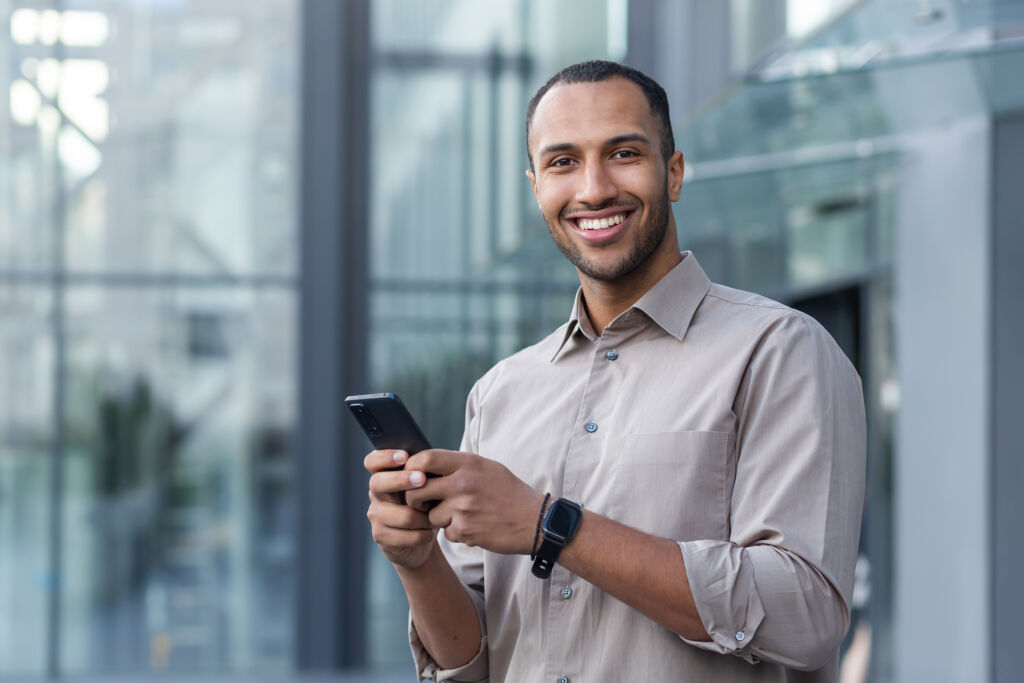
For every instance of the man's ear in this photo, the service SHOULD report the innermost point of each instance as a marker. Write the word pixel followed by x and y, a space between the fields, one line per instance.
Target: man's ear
pixel 676 165
pixel 533 180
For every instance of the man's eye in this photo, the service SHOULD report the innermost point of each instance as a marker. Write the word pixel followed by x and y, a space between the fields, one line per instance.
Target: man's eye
pixel 624 154
pixel 561 162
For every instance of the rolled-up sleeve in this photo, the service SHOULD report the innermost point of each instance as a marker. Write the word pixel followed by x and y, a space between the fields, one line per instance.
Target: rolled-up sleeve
pixel 468 564
pixel 779 589
pixel 475 670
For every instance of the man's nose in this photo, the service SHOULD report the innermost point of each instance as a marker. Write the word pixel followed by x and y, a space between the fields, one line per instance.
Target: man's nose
pixel 596 185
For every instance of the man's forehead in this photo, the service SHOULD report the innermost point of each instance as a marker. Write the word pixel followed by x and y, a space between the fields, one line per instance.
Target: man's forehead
pixel 569 108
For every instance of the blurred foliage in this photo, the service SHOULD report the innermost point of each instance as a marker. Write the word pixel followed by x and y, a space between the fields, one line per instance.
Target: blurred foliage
pixel 129 433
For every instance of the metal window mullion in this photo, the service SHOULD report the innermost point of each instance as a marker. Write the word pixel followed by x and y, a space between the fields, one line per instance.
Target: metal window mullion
pixel 55 578
pixel 332 534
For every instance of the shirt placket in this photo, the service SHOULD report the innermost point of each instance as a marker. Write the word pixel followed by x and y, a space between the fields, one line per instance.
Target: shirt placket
pixel 565 609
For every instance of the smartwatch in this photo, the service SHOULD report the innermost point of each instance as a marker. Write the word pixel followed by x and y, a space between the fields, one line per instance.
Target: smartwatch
pixel 560 525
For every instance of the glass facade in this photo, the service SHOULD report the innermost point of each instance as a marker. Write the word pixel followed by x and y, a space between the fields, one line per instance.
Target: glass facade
pixel 154 294
pixel 148 258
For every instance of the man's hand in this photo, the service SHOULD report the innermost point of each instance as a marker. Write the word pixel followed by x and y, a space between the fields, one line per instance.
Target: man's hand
pixel 441 608
pixel 482 503
pixel 402 533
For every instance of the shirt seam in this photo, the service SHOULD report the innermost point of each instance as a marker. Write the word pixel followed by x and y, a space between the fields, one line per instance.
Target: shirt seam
pixel 773 305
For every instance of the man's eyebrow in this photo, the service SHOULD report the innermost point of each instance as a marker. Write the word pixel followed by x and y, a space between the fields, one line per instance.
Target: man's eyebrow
pixel 611 142
pixel 628 137
pixel 560 147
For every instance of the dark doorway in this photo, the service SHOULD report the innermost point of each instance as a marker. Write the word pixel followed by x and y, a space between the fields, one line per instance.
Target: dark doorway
pixel 839 312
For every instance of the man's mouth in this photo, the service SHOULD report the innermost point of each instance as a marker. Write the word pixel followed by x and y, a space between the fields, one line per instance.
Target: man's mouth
pixel 598 230
pixel 600 223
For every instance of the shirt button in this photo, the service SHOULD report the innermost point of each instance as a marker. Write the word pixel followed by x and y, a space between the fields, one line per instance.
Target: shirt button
pixel 590 427
pixel 612 355
pixel 740 635
pixel 562 679
pixel 566 592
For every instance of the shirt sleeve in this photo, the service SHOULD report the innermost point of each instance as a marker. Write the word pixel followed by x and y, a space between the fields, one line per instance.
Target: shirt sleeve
pixel 475 671
pixel 468 564
pixel 779 589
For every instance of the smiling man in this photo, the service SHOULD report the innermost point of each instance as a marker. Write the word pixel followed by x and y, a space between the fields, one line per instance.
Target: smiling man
pixel 669 486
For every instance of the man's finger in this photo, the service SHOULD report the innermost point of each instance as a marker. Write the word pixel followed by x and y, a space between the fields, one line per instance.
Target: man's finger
pixel 435 488
pixel 436 461
pixel 385 513
pixel 396 482
pixel 440 516
pixel 388 537
pixel 378 461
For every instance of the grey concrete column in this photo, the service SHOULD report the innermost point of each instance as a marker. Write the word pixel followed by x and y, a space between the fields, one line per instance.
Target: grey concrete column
pixel 1007 396
pixel 691 48
pixel 685 46
pixel 942 489
pixel 331 483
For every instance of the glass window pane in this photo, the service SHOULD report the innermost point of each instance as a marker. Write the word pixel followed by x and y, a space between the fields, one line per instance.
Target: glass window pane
pixel 180 153
pixel 453 26
pixel 27 160
pixel 792 228
pixel 148 152
pixel 26 441
pixel 178 542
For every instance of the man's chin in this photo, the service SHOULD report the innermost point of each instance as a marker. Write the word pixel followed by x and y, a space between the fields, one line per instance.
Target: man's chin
pixel 607 271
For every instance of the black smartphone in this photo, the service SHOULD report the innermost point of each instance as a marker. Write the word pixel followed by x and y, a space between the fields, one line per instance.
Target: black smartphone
pixel 387 422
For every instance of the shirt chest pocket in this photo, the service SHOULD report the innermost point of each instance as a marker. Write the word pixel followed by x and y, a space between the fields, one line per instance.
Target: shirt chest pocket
pixel 672 484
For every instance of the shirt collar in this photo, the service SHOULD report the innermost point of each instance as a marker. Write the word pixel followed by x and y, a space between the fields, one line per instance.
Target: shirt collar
pixel 578 322
pixel 670 303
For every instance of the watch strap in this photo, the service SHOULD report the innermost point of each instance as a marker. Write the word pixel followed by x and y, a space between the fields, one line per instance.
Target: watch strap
pixel 555 540
pixel 546 556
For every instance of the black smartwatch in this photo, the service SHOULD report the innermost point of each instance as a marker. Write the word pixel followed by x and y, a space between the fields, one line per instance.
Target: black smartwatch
pixel 560 524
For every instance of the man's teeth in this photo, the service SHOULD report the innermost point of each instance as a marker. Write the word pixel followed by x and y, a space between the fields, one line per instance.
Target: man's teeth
pixel 600 223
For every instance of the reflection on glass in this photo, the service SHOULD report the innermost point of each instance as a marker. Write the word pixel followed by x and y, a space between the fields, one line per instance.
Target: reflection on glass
pixel 184 116
pixel 148 249
pixel 784 230
pixel 448 26
pixel 26 435
pixel 178 480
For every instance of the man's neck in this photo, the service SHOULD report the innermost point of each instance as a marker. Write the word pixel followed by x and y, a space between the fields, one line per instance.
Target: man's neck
pixel 604 300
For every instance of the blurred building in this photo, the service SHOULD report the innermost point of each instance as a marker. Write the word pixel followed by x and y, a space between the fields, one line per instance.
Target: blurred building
pixel 218 218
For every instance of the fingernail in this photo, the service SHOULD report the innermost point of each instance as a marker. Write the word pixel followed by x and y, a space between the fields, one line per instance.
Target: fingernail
pixel 399 457
pixel 417 478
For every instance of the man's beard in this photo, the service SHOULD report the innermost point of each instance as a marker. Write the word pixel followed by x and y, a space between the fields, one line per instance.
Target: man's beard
pixel 651 238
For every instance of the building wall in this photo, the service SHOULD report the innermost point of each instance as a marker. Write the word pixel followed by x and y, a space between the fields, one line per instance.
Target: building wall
pixel 1007 377
pixel 943 278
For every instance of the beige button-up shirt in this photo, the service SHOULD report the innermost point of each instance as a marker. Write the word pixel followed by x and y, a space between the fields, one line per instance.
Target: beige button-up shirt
pixel 724 421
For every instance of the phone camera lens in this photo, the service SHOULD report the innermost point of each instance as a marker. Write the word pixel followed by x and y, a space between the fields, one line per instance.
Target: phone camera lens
pixel 370 425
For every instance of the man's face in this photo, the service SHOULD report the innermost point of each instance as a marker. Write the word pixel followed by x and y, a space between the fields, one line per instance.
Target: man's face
pixel 600 179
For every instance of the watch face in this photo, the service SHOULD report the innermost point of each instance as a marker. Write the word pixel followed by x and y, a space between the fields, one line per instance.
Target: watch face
pixel 562 519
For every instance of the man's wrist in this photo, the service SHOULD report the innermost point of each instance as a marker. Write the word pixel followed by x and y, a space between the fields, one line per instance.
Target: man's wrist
pixel 537 532
pixel 423 567
pixel 561 522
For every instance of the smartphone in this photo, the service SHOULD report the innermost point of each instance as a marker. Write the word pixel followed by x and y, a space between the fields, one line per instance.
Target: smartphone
pixel 387 422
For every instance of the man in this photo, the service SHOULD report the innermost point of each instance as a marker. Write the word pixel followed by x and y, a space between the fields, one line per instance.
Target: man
pixel 714 438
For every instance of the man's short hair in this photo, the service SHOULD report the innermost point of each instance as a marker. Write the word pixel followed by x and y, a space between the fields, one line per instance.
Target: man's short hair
pixel 600 70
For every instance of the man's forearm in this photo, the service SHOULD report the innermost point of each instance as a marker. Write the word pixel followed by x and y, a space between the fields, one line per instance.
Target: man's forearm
pixel 442 611
pixel 644 571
